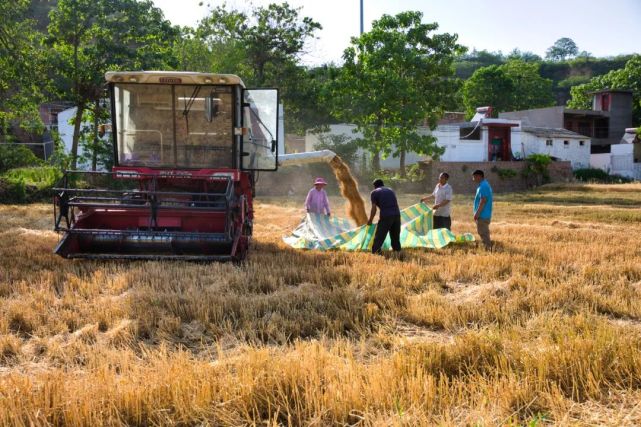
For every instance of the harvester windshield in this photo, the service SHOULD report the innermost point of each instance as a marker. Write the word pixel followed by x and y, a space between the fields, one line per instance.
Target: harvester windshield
pixel 187 126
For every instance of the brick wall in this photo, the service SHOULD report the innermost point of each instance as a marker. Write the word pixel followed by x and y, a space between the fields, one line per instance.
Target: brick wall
pixel 461 175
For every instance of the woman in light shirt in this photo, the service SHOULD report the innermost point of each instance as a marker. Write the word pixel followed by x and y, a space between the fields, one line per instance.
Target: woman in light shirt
pixel 317 201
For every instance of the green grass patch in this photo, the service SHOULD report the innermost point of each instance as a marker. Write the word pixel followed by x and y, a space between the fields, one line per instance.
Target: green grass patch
pixel 29 184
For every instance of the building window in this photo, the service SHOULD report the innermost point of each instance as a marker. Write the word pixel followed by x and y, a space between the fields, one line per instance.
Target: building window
pixel 581 143
pixel 548 142
pixel 566 144
pixel 470 133
pixel 605 102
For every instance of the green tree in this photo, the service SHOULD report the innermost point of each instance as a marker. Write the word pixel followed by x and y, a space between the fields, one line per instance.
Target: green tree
pixel 396 77
pixel 96 150
pixel 488 86
pixel 562 49
pixel 268 38
pixel 628 77
pixel 467 63
pixel 263 47
pixel 343 145
pixel 530 89
pixel 21 66
pixel 526 56
pixel 304 91
pixel 515 85
pixel 90 37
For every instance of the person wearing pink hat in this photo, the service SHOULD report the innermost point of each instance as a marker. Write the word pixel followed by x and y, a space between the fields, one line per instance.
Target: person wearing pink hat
pixel 317 201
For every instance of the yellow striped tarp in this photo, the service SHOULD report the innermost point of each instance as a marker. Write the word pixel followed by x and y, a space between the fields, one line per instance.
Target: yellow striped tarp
pixel 321 232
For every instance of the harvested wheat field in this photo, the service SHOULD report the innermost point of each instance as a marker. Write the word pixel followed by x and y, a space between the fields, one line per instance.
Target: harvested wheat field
pixel 545 330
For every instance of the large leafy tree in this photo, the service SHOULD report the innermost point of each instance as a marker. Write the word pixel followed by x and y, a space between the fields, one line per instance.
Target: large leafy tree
pixel 90 37
pixel 262 46
pixel 21 65
pixel 396 77
pixel 628 77
pixel 488 86
pixel 530 89
pixel 258 43
pixel 515 85
pixel 562 49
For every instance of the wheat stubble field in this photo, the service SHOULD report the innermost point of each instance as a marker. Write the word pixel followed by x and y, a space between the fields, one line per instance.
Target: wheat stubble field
pixel 546 330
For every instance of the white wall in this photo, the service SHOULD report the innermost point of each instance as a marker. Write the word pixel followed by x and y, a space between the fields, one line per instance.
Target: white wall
pixel 456 149
pixel 601 161
pixel 65 129
pixel 448 136
pixel 622 161
pixel 577 154
pixel 348 130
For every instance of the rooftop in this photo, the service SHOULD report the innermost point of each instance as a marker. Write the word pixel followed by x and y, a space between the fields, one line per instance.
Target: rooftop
pixel 544 132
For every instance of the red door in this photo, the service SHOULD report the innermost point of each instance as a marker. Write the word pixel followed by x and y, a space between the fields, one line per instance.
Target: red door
pixel 499 143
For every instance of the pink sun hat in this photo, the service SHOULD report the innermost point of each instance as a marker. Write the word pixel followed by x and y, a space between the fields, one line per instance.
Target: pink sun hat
pixel 320 181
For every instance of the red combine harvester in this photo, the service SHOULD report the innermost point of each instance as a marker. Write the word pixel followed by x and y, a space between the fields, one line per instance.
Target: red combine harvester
pixel 187 147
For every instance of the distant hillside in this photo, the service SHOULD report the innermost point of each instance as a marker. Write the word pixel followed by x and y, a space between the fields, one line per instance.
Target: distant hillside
pixel 564 74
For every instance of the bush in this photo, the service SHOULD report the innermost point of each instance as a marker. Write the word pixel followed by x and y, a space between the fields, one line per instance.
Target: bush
pixel 17 156
pixel 504 173
pixel 26 185
pixel 599 175
pixel 536 169
pixel 12 191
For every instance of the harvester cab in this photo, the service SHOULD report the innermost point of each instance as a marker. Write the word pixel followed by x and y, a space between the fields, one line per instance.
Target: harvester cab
pixel 186 149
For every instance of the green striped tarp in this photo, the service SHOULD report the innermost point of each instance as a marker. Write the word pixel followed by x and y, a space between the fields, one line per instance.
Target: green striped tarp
pixel 321 232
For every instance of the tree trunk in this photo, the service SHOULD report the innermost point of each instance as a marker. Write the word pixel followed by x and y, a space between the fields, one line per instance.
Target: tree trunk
pixel 94 154
pixel 364 165
pixel 77 121
pixel 376 162
pixel 402 164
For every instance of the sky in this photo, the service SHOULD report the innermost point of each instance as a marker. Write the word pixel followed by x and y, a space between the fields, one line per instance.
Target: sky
pixel 603 28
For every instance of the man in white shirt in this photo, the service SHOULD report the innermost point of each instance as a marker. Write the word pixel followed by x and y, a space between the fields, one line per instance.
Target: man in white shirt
pixel 442 202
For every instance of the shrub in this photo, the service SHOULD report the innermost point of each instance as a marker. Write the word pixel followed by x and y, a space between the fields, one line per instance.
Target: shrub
pixel 16 156
pixel 536 169
pixel 591 174
pixel 504 173
pixel 599 175
pixel 24 185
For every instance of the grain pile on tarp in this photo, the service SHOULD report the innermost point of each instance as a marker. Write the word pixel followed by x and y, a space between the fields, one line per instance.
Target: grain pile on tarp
pixel 321 232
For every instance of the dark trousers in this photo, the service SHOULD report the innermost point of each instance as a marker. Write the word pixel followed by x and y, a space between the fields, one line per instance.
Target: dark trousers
pixel 443 222
pixel 391 225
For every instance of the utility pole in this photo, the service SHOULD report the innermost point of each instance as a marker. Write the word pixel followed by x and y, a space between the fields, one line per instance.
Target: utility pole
pixel 361 17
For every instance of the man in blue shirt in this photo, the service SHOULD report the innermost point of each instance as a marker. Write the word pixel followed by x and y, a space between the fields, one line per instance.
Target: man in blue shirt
pixel 389 221
pixel 483 208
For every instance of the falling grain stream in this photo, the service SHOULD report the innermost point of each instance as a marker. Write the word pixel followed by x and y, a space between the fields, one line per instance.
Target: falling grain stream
pixel 349 190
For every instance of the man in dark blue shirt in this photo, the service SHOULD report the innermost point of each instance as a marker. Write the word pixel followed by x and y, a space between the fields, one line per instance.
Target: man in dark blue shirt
pixel 389 220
